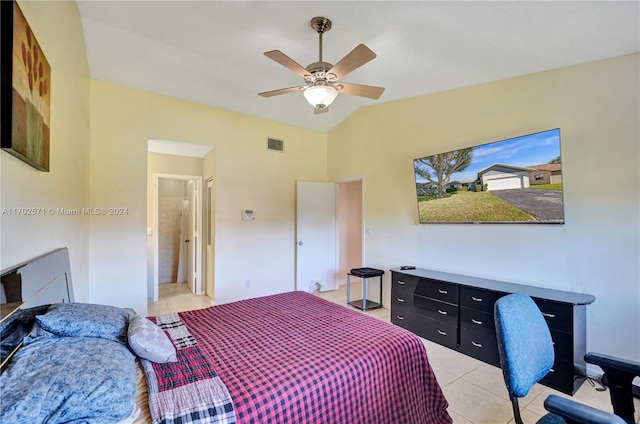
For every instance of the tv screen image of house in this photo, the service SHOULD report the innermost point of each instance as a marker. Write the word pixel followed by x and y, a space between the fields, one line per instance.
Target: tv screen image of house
pixel 518 180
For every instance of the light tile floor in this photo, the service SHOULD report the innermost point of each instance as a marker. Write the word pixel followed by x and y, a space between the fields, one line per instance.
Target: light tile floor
pixel 176 297
pixel 475 390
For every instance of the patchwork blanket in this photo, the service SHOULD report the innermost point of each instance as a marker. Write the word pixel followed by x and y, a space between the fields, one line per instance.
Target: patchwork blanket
pixel 189 390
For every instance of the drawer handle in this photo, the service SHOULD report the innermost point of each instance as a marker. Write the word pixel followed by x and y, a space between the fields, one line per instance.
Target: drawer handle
pixel 476 299
pixel 442 312
pixel 399 299
pixel 400 317
pixel 476 344
pixel 548 315
pixel 402 283
pixel 475 321
pixel 442 291
pixel 442 333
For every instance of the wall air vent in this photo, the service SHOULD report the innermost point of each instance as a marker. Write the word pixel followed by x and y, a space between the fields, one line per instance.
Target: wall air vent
pixel 275 144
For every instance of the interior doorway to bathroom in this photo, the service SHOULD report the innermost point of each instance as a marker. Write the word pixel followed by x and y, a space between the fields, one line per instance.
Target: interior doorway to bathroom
pixel 178 235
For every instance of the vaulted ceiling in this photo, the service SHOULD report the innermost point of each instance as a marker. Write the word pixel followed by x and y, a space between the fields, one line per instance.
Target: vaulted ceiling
pixel 211 52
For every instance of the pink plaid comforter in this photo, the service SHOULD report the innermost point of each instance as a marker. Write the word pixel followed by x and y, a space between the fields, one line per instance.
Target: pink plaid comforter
pixel 296 358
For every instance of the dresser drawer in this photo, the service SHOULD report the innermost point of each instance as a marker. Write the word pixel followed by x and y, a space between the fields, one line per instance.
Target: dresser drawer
pixel 562 345
pixel 429 308
pixel 558 316
pixel 417 324
pixel 434 309
pixel 561 377
pixel 403 282
pixel 401 303
pixel 441 333
pixel 439 290
pixel 480 344
pixel 472 319
pixel 479 299
pixel 425 327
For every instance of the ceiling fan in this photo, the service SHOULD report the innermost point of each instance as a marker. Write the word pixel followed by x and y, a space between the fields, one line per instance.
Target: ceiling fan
pixel 321 78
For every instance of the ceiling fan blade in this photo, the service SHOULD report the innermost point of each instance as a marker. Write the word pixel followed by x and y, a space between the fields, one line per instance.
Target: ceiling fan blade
pixel 368 91
pixel 287 62
pixel 280 91
pixel 318 111
pixel 353 60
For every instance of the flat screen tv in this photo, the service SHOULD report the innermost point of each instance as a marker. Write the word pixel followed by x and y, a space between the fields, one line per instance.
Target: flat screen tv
pixel 518 180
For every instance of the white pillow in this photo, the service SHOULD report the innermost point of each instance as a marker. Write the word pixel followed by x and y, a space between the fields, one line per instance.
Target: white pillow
pixel 149 341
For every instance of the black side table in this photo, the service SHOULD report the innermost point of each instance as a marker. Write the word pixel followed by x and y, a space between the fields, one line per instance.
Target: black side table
pixel 364 273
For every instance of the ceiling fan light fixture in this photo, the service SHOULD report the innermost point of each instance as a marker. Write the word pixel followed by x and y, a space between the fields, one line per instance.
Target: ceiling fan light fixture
pixel 321 78
pixel 320 95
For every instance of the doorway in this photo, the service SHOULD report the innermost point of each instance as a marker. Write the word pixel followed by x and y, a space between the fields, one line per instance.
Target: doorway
pixel 350 224
pixel 329 233
pixel 178 241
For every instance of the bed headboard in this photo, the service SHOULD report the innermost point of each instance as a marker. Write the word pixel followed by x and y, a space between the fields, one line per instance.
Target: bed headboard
pixel 25 289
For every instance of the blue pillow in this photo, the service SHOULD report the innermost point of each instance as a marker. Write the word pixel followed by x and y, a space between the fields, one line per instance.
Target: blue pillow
pixel 84 320
pixel 69 379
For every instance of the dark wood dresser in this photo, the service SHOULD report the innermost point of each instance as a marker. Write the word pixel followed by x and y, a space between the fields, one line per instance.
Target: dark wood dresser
pixel 456 311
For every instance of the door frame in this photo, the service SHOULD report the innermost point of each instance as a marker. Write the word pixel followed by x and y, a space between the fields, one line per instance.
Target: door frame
pixel 197 210
pixel 208 229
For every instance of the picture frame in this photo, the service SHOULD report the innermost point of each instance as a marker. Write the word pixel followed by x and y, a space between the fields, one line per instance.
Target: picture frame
pixel 25 90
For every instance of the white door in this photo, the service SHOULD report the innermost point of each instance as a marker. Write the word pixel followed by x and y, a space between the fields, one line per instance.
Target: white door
pixel 316 236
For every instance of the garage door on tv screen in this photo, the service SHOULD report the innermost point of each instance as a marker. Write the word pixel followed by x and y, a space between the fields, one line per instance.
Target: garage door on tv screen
pixel 518 180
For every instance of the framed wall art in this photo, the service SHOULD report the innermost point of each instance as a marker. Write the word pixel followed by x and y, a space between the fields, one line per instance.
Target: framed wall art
pixel 25 90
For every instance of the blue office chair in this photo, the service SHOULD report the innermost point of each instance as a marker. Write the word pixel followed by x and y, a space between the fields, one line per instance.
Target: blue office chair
pixel 526 356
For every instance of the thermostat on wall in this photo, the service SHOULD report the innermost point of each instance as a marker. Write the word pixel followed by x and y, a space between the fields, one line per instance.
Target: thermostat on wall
pixel 248 215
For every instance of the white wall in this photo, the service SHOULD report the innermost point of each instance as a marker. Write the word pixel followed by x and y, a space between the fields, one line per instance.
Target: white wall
pixel 57 27
pixel 596 107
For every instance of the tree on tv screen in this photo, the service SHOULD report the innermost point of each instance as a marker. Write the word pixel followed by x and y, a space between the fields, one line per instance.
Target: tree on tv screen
pixel 437 169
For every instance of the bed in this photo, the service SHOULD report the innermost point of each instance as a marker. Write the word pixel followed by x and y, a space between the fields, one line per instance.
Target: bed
pixel 284 358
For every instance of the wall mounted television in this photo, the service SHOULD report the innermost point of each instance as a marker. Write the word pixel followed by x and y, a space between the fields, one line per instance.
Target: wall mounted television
pixel 518 180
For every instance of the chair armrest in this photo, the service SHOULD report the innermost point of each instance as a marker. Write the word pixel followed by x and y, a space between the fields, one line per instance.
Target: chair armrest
pixel 618 375
pixel 574 412
pixel 611 362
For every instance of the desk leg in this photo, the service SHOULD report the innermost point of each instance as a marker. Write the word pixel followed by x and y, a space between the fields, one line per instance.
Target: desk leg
pixel 364 294
pixel 348 289
pixel 381 291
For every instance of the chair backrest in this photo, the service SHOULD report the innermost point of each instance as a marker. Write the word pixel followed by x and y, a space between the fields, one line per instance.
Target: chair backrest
pixel 524 343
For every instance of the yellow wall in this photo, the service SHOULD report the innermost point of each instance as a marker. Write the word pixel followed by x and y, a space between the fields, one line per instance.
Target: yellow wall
pixel 596 107
pixel 57 27
pixel 247 177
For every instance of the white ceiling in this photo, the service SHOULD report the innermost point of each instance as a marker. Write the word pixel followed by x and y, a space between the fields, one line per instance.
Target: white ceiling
pixel 211 52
